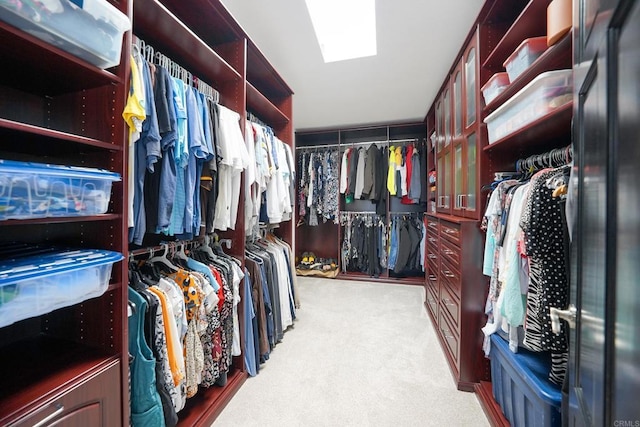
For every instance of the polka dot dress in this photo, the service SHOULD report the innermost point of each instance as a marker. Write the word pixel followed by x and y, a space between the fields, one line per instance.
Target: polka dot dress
pixel 544 230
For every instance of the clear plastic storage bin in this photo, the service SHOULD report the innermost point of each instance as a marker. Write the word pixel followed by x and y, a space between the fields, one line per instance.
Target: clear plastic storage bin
pixel 35 190
pixel 540 97
pixel 89 29
pixel 525 55
pixel 494 86
pixel 36 285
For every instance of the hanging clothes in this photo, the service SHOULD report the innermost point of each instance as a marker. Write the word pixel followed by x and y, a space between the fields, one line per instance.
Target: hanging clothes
pixel 362 239
pixel 526 257
pixel 407 239
pixel 318 185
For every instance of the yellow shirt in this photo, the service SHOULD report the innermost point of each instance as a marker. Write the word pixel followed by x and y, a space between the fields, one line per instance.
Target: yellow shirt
pixel 391 176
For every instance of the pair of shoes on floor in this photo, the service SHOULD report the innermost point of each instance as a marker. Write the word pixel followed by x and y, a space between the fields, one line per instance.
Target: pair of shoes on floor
pixel 308 258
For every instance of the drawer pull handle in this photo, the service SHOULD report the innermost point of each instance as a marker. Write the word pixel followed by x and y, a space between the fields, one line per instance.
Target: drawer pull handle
pixel 432 277
pixel 432 256
pixel 447 273
pixel 447 334
pixel 448 252
pixel 450 231
pixel 45 421
pixel 448 302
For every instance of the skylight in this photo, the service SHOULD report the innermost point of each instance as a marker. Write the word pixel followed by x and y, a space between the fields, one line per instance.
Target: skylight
pixel 345 29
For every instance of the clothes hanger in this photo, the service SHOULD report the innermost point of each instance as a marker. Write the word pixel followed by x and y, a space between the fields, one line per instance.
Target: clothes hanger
pixel 163 260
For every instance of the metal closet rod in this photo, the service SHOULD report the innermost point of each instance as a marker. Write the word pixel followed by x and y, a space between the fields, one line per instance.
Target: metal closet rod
pixel 351 144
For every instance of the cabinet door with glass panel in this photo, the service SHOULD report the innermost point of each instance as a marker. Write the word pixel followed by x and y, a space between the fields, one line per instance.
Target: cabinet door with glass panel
pixel 457 145
pixel 443 156
pixel 468 198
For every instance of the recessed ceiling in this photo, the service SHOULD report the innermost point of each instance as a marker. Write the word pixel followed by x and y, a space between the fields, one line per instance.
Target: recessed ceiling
pixel 417 43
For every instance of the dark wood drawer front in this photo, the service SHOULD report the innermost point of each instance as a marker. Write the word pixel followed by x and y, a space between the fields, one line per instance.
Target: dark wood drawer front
pixel 432 239
pixel 451 253
pixel 95 402
pixel 450 303
pixel 450 336
pixel 432 280
pixel 450 231
pixel 432 255
pixel 450 275
pixel 432 302
pixel 432 227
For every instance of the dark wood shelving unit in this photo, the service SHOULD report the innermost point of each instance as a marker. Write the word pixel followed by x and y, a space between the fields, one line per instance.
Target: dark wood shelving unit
pixel 554 58
pixel 44 69
pixel 10 128
pixel 63 220
pixel 536 135
pixel 57 108
pixel 183 46
pixel 530 23
pixel 259 104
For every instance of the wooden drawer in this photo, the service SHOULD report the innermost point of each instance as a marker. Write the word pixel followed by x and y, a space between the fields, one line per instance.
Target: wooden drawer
pixel 432 280
pixel 449 302
pixel 432 226
pixel 450 275
pixel 450 336
pixel 432 302
pixel 93 402
pixel 432 255
pixel 451 253
pixel 450 231
pixel 432 239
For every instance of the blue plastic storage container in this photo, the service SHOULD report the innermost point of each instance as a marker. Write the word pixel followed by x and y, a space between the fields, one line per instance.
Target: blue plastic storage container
pixel 34 285
pixel 89 29
pixel 521 386
pixel 35 190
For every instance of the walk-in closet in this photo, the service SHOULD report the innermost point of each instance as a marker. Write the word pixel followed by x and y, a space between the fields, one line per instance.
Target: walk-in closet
pixel 319 213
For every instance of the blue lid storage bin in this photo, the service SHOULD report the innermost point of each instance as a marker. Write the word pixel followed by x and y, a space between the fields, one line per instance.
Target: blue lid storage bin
pixel 36 285
pixel 34 190
pixel 521 386
pixel 89 29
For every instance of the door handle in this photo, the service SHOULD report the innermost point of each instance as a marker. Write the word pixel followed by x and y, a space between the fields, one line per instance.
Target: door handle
pixel 569 315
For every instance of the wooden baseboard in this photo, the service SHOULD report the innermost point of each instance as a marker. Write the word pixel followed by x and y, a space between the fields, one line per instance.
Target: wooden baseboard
pixel 489 405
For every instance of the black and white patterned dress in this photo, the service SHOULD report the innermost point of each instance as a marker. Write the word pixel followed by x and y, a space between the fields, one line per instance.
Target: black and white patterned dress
pixel 544 233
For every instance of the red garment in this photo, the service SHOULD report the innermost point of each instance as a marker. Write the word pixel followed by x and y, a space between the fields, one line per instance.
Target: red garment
pixel 408 162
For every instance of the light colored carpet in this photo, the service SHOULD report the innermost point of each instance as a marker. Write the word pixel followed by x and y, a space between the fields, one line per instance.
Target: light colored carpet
pixel 360 354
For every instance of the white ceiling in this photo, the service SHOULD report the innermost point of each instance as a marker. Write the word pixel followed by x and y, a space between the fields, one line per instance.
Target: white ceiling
pixel 417 43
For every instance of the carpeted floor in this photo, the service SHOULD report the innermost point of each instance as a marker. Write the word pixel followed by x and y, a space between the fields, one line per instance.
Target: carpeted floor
pixel 360 354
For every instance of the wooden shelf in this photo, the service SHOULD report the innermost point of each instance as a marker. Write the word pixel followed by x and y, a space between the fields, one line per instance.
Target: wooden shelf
pixel 62 220
pixel 204 407
pixel 490 407
pixel 36 368
pixel 259 104
pixel 159 27
pixel 537 134
pixel 263 76
pixel 556 57
pixel 530 23
pixel 24 131
pixel 40 68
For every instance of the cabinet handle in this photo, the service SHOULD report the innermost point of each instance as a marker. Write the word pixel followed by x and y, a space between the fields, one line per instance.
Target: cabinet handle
pixel 432 240
pixel 45 421
pixel 462 204
pixel 432 256
pixel 448 252
pixel 447 273
pixel 446 333
pixel 448 302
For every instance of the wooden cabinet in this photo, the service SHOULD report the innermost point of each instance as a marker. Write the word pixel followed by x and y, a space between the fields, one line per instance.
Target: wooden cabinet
pixel 69 364
pixel 455 295
pixel 459 158
pixel 84 403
